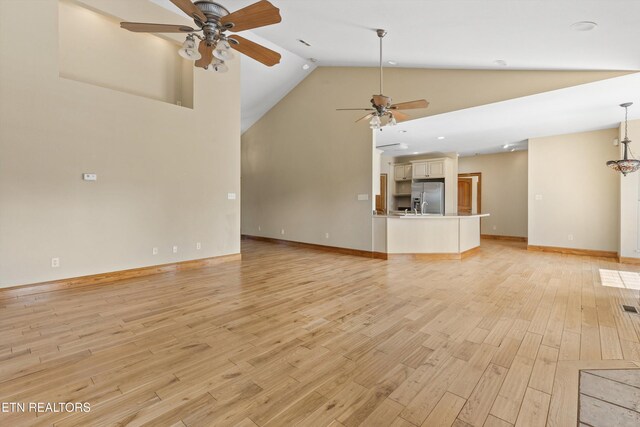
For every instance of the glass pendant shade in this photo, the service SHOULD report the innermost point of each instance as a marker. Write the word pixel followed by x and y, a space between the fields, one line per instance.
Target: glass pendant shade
pixel 392 121
pixel 218 66
pixel 625 165
pixel 189 49
pixel 223 51
pixel 375 122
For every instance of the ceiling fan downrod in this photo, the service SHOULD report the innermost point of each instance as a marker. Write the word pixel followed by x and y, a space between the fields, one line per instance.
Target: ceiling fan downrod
pixel 381 34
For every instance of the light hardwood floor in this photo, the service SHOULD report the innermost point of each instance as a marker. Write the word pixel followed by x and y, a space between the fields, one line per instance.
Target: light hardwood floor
pixel 295 336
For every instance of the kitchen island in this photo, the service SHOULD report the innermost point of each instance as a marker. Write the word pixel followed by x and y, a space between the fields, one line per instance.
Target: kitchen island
pixel 449 236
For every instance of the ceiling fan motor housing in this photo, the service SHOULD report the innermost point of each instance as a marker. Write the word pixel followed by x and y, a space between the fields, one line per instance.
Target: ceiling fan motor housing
pixel 212 10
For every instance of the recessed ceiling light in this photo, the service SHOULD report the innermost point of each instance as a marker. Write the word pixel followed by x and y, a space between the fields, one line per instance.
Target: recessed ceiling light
pixel 500 62
pixel 513 149
pixel 392 62
pixel 305 67
pixel 505 146
pixel 441 137
pixel 583 26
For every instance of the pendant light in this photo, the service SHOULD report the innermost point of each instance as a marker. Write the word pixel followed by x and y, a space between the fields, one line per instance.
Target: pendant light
pixel 625 165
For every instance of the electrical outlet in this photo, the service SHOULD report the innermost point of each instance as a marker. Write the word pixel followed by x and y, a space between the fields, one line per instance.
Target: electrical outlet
pixel 55 262
pixel 231 196
pixel 326 235
pixel 363 197
pixel 538 196
pixel 570 237
pixel 175 249
pixel 282 231
pixel 154 251
pixel 198 246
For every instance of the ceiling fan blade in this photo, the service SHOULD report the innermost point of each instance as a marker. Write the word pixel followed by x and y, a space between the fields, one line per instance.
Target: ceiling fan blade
pixel 254 50
pixel 355 109
pixel 421 103
pixel 368 116
pixel 381 100
pixel 141 27
pixel 400 117
pixel 207 55
pixel 256 15
pixel 190 9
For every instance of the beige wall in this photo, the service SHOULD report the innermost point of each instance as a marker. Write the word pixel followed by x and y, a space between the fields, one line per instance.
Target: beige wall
pixel 163 171
pixel 572 192
pixel 629 198
pixel 504 191
pixel 304 163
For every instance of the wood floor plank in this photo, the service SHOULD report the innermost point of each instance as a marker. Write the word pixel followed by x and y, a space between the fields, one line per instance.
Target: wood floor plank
pixel 294 336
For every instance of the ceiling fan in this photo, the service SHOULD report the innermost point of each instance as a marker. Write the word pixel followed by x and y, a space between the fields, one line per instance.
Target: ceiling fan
pixel 382 106
pixel 213 20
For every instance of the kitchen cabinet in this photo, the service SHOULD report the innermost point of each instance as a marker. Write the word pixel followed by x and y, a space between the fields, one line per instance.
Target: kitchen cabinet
pixel 429 169
pixel 402 172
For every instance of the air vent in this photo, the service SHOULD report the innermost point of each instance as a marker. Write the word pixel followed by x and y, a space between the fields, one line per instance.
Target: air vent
pixel 630 309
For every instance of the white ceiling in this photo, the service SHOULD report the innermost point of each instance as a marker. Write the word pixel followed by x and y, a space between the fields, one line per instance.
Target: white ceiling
pixel 471 34
pixel 485 129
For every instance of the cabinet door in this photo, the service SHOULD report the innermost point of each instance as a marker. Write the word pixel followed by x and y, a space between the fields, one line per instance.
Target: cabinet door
pixel 420 170
pixel 398 172
pixel 436 169
pixel 407 171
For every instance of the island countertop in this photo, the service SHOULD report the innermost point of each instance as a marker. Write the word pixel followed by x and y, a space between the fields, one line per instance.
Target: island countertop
pixel 434 216
pixel 449 236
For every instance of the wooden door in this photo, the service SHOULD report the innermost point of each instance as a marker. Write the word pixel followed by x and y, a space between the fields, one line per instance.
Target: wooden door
pixel 381 199
pixel 464 195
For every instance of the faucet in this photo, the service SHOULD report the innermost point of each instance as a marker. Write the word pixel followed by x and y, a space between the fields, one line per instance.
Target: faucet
pixel 406 211
pixel 422 207
pixel 415 211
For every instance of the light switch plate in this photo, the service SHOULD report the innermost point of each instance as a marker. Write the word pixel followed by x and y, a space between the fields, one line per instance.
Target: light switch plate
pixel 89 177
pixel 363 197
pixel 231 196
pixel 538 196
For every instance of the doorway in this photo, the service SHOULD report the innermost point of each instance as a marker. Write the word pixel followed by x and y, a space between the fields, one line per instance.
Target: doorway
pixel 381 199
pixel 470 192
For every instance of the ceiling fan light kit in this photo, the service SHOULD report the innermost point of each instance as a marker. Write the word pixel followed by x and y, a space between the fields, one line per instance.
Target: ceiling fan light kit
pixel 213 21
pixel 382 106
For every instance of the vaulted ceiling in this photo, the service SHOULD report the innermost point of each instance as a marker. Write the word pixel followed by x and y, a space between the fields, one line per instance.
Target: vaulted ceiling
pixel 482 34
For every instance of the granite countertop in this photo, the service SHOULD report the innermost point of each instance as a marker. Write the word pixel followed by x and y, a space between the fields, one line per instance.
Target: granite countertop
pixel 434 216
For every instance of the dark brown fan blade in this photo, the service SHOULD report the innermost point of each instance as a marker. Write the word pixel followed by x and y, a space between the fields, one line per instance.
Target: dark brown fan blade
pixel 253 16
pixel 421 103
pixel 190 9
pixel 207 55
pixel 368 116
pixel 254 50
pixel 141 27
pixel 355 109
pixel 400 117
pixel 381 100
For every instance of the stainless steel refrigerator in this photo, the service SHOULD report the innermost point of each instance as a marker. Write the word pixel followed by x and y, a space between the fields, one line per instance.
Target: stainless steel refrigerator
pixel 430 192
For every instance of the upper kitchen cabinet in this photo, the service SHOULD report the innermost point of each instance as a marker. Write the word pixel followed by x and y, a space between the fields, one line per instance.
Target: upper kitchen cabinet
pixel 433 168
pixel 402 172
